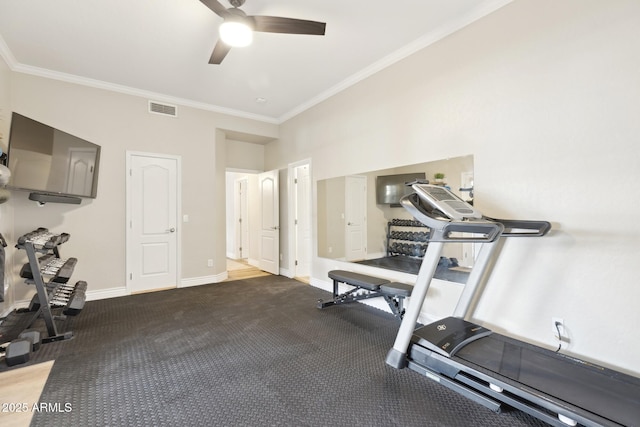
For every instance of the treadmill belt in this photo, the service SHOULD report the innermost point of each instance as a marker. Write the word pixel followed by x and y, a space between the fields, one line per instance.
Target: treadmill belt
pixel 608 393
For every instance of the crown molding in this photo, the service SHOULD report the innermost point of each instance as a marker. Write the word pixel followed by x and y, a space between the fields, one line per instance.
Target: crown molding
pixel 428 39
pixel 18 67
pixel 6 54
pixel 127 90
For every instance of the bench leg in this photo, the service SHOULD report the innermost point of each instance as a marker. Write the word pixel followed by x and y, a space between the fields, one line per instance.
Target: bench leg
pixel 396 304
pixel 348 296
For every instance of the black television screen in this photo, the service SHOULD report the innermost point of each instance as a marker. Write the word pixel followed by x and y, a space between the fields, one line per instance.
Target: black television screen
pixel 391 188
pixel 47 160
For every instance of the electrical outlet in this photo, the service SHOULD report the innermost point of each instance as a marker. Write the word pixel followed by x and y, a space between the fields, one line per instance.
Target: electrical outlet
pixel 209 263
pixel 557 326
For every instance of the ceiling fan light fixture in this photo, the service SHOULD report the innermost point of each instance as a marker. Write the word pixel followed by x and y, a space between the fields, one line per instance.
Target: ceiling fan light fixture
pixel 235 33
pixel 237 28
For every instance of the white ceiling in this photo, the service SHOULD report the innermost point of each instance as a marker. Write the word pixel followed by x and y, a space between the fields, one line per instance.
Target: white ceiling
pixel 160 48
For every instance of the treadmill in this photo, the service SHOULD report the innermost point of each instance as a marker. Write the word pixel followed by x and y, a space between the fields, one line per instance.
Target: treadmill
pixel 487 367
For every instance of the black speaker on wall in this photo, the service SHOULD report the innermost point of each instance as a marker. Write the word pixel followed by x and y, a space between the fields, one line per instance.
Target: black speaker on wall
pixel 43 198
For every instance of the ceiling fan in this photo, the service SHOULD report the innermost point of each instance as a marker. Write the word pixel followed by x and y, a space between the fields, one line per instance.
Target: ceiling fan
pixel 239 23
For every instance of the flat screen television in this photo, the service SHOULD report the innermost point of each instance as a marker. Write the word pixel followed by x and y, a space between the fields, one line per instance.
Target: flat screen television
pixel 46 160
pixel 391 188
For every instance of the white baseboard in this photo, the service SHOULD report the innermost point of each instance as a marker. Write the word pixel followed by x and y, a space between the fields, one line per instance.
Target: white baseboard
pixel 122 291
pixel 375 255
pixel 204 280
pixel 107 293
pixel 326 286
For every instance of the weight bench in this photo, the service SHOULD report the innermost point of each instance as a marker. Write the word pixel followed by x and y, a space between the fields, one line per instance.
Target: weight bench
pixel 365 287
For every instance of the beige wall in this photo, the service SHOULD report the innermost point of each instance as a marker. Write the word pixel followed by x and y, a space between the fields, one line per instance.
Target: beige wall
pixel 544 94
pixel 118 123
pixel 245 156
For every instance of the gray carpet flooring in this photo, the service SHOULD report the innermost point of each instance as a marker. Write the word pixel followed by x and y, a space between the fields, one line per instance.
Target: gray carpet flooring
pixel 253 352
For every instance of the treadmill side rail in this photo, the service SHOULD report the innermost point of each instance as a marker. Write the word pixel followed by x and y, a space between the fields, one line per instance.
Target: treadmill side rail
pixel 480 398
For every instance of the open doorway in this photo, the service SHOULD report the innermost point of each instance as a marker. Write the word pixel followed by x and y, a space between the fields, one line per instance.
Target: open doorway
pixel 239 218
pixel 247 216
pixel 252 219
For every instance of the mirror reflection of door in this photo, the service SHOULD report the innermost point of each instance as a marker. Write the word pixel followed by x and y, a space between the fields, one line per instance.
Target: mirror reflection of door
pixel 81 169
pixel 355 218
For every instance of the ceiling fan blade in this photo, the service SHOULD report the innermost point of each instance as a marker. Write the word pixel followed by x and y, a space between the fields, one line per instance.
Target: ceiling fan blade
pixel 276 24
pixel 219 52
pixel 216 7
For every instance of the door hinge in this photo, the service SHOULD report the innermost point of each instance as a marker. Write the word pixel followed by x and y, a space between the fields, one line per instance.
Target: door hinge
pixel 130 276
pixel 296 262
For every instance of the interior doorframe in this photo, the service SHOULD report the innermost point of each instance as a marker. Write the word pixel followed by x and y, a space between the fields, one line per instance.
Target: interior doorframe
pixel 129 207
pixel 240 188
pixel 292 199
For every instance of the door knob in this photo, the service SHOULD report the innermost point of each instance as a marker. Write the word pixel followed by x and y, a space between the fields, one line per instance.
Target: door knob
pixel 171 230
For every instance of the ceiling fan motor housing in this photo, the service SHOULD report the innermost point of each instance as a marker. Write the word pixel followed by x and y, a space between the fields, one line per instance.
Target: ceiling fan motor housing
pixel 237 28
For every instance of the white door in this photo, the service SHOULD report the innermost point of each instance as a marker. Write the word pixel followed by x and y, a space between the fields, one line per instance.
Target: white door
pixel 303 221
pixel 152 213
pixel 269 222
pixel 355 217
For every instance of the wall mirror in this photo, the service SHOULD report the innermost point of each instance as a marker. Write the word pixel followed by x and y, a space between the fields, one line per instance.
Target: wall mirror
pixel 360 221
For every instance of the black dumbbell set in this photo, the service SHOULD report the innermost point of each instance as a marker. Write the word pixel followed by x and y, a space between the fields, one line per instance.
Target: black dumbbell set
pixel 55 297
pixel 407 237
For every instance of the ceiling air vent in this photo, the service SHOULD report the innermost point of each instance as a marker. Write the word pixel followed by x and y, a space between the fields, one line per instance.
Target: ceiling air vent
pixel 164 109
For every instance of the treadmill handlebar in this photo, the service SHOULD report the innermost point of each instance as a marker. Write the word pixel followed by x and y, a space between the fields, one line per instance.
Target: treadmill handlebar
pixel 442 228
pixel 486 229
pixel 523 228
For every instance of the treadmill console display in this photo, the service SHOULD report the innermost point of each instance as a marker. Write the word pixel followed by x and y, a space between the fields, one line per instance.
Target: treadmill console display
pixel 446 202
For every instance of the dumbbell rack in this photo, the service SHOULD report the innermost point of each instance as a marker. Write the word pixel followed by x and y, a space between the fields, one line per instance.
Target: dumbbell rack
pixel 53 292
pixel 407 237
